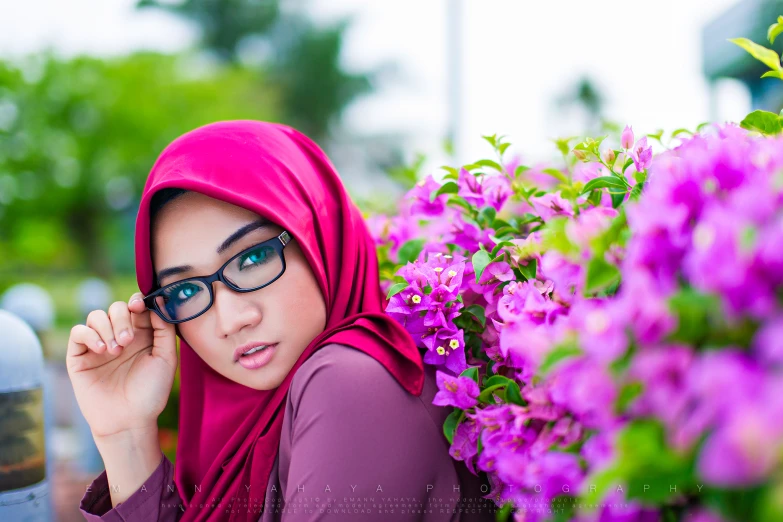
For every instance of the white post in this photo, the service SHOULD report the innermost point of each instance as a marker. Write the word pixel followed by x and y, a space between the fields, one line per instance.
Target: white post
pixel 24 489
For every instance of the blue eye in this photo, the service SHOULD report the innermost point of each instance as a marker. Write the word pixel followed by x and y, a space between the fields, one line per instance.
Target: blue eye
pixel 255 257
pixel 182 293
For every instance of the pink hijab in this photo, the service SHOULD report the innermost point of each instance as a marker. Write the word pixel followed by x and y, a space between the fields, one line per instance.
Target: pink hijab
pixel 228 433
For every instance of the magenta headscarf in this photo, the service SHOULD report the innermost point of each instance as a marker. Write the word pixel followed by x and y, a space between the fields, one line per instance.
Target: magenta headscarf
pixel 229 433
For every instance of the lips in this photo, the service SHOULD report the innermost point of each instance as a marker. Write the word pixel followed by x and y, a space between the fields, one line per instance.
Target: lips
pixel 250 346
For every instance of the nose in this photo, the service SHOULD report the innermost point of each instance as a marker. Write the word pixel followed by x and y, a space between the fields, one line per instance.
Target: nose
pixel 233 310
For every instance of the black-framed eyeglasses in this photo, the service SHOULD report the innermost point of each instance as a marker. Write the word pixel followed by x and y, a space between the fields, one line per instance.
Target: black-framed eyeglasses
pixel 250 270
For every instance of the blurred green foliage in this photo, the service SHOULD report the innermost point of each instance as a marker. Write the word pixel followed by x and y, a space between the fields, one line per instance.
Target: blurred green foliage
pixel 83 136
pixel 303 59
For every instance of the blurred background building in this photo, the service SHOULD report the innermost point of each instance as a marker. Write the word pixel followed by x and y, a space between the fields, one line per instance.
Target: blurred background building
pixel 91 92
pixel 750 19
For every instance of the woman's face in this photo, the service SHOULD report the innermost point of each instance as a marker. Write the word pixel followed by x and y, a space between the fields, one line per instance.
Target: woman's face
pixel 290 312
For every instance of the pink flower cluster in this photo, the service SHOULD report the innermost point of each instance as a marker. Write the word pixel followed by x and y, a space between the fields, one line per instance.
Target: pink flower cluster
pixel 641 342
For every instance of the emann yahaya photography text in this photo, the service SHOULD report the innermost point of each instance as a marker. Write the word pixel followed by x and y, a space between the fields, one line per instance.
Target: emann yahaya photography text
pixel 287 261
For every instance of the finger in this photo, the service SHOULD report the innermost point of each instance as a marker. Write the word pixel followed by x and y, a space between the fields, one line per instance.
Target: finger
pixel 99 321
pixel 84 339
pixel 136 304
pixel 120 318
pixel 164 343
pixel 140 316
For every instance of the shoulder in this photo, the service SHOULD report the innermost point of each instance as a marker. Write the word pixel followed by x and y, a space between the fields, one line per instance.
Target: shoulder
pixel 337 372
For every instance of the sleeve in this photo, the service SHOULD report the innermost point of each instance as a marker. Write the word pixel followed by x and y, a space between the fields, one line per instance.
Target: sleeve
pixel 156 500
pixel 359 444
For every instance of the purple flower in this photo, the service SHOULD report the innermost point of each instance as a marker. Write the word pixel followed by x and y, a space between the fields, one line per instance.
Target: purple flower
pixel 626 140
pixel 641 154
pixel 744 450
pixel 460 392
pixel 464 446
pixel 446 348
pixel 550 205
pixel 419 196
pixel 484 189
pixel 585 388
pixel 768 342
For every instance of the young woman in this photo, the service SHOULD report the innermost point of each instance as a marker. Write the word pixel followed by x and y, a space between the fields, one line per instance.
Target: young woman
pixel 300 400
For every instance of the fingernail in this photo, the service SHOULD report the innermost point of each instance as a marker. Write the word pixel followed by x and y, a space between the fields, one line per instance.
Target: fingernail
pixel 134 300
pixel 125 335
pixel 114 344
pixel 101 344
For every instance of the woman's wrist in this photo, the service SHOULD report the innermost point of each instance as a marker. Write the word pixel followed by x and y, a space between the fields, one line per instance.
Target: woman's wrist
pixel 130 457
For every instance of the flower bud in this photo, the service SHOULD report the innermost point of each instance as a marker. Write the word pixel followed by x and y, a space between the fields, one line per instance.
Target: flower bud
pixel 626 140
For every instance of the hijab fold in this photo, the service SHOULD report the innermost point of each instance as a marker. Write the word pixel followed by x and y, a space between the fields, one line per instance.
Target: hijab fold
pixel 229 434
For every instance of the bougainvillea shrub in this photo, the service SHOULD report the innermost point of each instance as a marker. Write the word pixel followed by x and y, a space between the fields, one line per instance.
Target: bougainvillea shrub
pixel 608 332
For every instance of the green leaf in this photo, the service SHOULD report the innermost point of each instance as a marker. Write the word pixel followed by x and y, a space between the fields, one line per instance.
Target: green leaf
pixel 529 270
pixel 490 163
pixel 628 163
pixel 497 379
pixel 636 191
pixel 396 289
pixel 447 188
pixel 627 394
pixel 766 56
pixel 478 312
pixel 681 131
pixel 617 198
pixel 600 275
pixel 604 182
pixel 773 74
pixel 762 121
pixel 557 355
pixel 410 251
pixel 450 424
pixel 520 169
pixel 491 139
pixel 485 397
pixel 695 313
pixel 556 174
pixel 501 245
pixel 487 214
pixel 775 30
pixel 502 148
pixel 470 373
pixel 562 144
pixel 451 170
pixel 480 261
pixel 459 201
pixel 471 166
pixel 513 394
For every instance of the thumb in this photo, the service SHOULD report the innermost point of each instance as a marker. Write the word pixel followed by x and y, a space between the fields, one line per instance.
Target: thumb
pixel 164 343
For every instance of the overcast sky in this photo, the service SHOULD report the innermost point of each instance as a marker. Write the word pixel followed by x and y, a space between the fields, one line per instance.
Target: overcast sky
pixel 517 57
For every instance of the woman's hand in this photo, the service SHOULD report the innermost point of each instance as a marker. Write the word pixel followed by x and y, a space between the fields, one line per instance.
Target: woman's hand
pixel 121 366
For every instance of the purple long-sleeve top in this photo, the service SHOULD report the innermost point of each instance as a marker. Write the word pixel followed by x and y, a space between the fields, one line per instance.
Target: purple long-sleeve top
pixel 354 446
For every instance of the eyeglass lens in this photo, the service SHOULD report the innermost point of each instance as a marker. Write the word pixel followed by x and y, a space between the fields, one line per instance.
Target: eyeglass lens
pixel 249 270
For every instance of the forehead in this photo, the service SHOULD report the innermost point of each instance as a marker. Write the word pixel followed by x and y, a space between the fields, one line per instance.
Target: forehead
pixel 194 224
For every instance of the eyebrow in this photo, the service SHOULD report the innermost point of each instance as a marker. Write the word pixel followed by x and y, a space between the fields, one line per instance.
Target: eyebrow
pixel 230 240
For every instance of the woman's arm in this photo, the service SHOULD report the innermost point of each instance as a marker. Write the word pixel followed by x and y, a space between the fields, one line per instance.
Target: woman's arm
pixel 360 442
pixel 156 500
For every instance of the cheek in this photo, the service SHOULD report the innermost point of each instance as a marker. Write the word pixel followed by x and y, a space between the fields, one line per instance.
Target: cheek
pixel 199 333
pixel 300 293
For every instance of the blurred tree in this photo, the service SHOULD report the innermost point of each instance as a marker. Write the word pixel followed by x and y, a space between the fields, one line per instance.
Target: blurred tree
pixel 303 60
pixel 586 96
pixel 224 23
pixel 78 138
